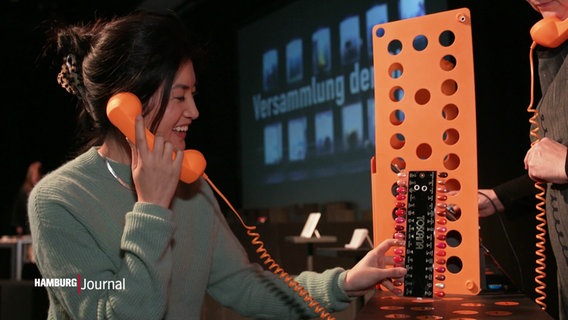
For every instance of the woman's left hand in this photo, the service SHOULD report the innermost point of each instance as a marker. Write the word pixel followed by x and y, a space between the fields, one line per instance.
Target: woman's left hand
pixel 371 270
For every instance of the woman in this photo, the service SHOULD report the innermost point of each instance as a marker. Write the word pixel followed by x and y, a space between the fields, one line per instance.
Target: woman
pixel 130 241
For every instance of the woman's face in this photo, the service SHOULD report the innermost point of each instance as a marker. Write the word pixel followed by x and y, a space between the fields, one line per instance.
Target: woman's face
pixel 549 8
pixel 181 109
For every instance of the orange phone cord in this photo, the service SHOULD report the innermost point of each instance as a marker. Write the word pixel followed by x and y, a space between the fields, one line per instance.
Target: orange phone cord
pixel 271 263
pixel 540 196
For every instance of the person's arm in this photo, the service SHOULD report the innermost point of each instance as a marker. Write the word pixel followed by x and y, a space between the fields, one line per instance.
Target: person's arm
pixel 248 288
pixel 68 248
pixel 514 190
pixel 253 290
pixel 505 196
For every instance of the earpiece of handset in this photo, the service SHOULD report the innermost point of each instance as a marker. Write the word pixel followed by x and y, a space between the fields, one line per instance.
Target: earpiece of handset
pixel 550 32
pixel 122 109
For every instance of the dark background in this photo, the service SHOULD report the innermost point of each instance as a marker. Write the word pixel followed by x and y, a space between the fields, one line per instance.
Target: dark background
pixel 38 116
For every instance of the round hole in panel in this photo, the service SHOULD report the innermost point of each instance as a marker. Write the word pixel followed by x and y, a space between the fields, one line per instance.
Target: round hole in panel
pixel 396 94
pixel 451 136
pixel 424 151
pixel 393 213
pixel 450 111
pixel 454 264
pixel 397 211
pixel 453 186
pixel 393 190
pixel 395 70
pixel 449 87
pixel 420 42
pixel 448 62
pixel 397 141
pixel 453 212
pixel 447 38
pixel 398 164
pixel 422 96
pixel 451 161
pixel 380 32
pixel 394 47
pixel 396 117
pixel 453 238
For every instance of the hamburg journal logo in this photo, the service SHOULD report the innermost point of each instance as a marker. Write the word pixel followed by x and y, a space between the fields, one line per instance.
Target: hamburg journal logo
pixel 81 283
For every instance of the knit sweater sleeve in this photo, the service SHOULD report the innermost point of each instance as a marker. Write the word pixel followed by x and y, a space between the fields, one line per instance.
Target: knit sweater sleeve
pixel 253 291
pixel 107 287
pixel 263 295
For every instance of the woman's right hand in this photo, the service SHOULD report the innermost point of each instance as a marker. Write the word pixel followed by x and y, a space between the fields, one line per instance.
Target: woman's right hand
pixel 155 172
pixel 373 269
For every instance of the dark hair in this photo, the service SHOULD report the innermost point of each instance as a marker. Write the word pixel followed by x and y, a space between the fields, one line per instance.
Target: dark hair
pixel 138 53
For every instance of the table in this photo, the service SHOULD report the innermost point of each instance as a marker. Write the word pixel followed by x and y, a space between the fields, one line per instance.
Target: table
pixel 17 246
pixel 310 242
pixel 385 305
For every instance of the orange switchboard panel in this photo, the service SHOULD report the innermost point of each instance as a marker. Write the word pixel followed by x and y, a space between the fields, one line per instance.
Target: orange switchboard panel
pixel 424 172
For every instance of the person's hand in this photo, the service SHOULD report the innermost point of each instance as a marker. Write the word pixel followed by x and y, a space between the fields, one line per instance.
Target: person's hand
pixel 154 172
pixel 545 161
pixel 371 270
pixel 488 203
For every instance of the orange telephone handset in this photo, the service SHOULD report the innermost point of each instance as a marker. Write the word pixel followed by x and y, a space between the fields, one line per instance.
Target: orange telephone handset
pixel 122 109
pixel 550 32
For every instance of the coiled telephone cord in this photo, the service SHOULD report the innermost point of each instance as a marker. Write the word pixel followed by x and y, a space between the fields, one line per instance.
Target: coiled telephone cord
pixel 540 196
pixel 271 263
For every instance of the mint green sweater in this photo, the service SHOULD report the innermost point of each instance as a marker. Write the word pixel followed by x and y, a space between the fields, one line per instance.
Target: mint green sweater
pixel 136 260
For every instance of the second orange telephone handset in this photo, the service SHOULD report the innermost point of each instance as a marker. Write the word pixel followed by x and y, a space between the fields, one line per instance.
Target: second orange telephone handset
pixel 550 32
pixel 122 109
